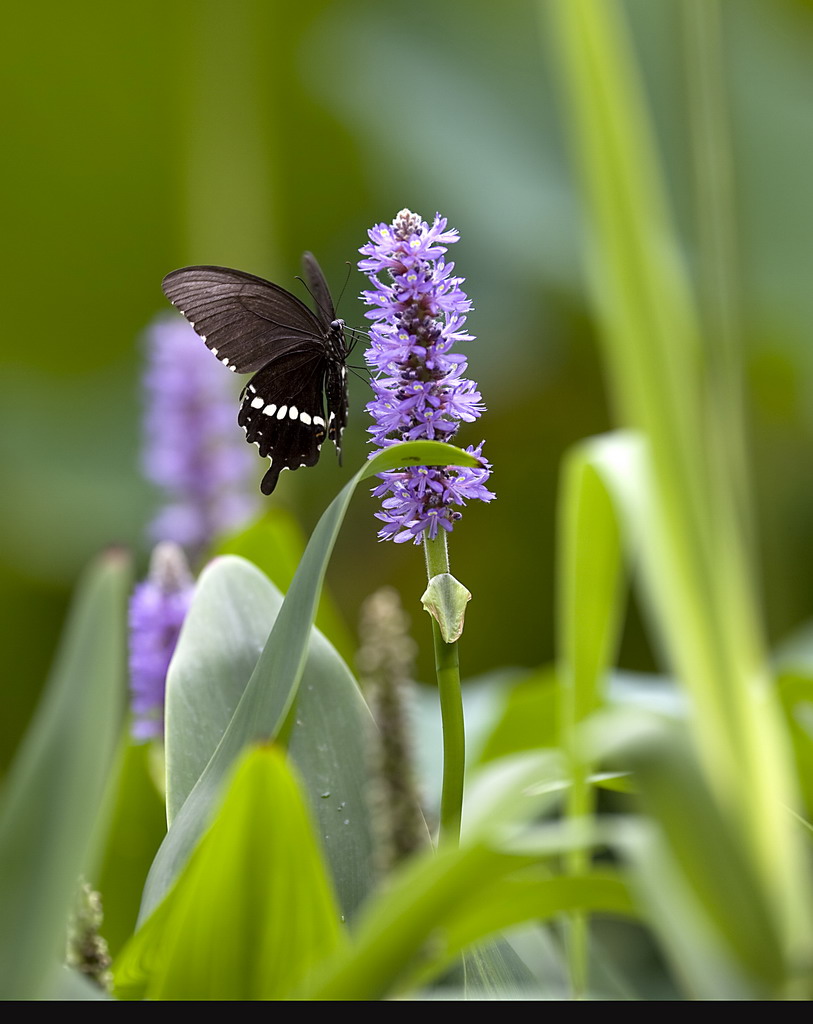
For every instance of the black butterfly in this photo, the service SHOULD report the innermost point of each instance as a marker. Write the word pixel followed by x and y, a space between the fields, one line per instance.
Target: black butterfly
pixel 298 396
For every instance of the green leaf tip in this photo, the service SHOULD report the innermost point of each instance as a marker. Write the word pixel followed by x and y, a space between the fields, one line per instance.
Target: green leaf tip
pixel 445 599
pixel 417 453
pixel 253 911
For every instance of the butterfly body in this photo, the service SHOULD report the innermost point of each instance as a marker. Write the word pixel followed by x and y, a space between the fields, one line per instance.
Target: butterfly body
pixel 297 397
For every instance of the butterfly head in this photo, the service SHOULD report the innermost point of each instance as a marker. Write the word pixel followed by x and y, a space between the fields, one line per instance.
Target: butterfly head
pixel 337 341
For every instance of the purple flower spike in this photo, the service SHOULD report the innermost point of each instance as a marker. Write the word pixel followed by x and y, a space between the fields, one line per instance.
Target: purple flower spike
pixel 193 449
pixel 158 608
pixel 420 392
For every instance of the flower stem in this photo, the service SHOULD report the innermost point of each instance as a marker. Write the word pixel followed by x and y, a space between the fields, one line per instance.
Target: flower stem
pixel 447 668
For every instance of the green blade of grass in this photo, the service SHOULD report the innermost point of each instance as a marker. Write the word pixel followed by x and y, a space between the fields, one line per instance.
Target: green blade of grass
pixel 440 905
pixel 275 543
pixel 589 616
pixel 590 598
pixel 692 552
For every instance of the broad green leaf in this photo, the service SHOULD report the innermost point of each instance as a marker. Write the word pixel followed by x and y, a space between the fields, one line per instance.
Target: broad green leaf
pixel 53 806
pixel 253 910
pixel 264 707
pixel 232 613
pixel 534 895
pixel 275 543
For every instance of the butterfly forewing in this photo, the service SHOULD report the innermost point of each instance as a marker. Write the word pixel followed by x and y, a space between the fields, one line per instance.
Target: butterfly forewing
pixel 298 396
pixel 243 319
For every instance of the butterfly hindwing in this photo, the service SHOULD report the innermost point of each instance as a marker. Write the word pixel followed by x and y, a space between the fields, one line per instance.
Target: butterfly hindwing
pixel 282 411
pixel 336 393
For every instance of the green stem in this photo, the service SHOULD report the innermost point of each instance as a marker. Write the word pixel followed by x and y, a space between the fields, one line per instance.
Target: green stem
pixel 447 668
pixel 580 804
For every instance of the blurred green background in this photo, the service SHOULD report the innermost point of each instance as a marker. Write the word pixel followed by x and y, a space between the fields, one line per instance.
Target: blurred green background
pixel 140 139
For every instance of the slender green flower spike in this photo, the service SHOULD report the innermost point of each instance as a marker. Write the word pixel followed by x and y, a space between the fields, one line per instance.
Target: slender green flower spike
pixel 86 949
pixel 386 662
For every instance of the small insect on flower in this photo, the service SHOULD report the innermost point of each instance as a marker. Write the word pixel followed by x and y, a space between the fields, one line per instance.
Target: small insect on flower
pixel 298 394
pixel 420 392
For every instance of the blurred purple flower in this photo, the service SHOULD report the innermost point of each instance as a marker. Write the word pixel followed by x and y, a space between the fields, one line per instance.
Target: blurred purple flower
pixel 158 608
pixel 420 392
pixel 193 448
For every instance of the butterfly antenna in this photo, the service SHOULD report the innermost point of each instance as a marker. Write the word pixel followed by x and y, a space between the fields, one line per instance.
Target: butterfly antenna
pixel 354 332
pixel 304 284
pixel 326 312
pixel 346 282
